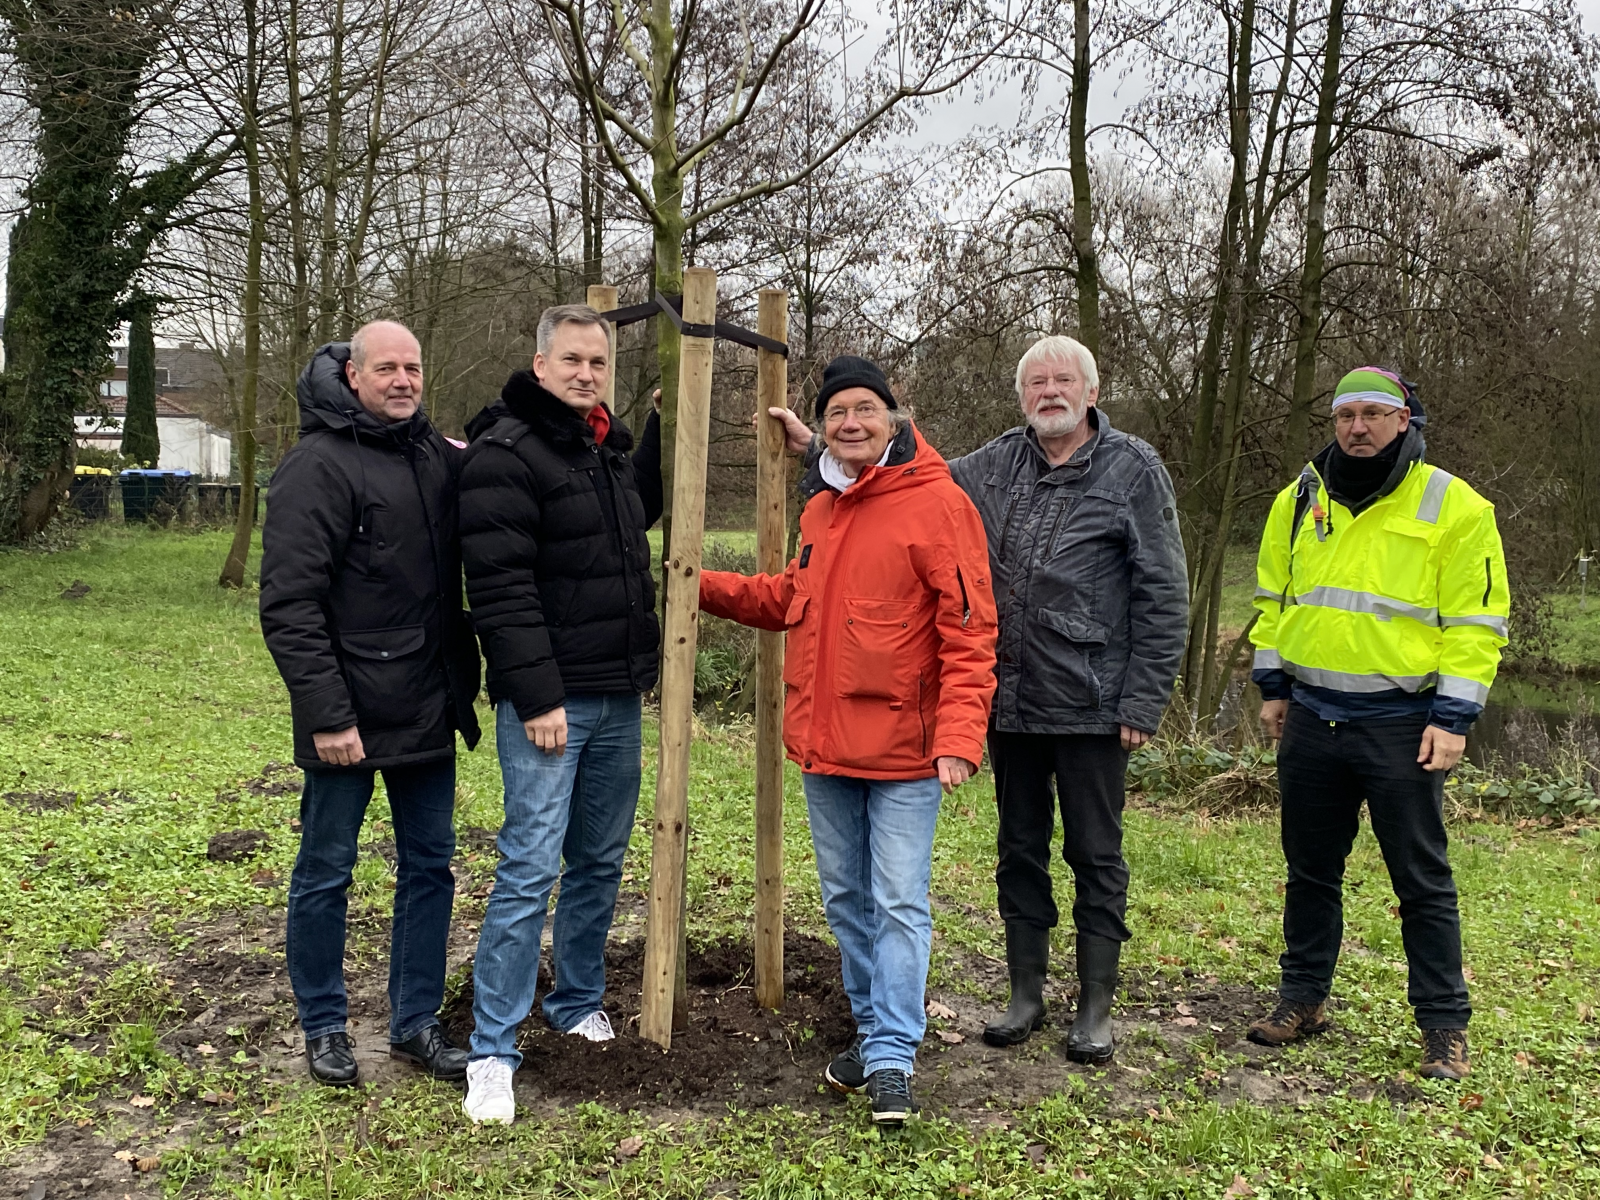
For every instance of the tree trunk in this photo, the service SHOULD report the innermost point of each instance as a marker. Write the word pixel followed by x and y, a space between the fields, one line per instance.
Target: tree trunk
pixel 1312 270
pixel 327 255
pixel 1082 214
pixel 239 553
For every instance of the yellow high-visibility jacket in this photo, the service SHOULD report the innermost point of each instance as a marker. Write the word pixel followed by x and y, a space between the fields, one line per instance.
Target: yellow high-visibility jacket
pixel 1410 595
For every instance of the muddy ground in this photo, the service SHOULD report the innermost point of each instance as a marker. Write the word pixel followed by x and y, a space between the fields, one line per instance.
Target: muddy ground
pixel 227 992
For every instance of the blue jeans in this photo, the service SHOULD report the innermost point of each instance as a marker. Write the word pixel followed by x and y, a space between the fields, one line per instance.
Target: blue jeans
pixel 332 807
pixel 874 845
pixel 578 808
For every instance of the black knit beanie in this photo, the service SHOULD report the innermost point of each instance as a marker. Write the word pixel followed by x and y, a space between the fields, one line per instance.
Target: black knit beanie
pixel 848 371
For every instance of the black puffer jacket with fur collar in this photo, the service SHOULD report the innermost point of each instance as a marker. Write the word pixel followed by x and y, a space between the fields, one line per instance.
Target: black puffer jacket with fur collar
pixel 553 538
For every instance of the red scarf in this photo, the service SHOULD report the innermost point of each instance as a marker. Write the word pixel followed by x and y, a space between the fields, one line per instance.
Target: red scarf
pixel 599 421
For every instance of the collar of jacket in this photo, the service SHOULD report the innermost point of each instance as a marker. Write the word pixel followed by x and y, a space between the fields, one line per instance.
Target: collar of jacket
pixel 559 425
pixel 328 402
pixel 902 450
pixel 1413 450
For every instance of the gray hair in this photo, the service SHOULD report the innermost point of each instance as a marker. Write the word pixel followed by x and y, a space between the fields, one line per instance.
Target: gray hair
pixel 358 340
pixel 564 314
pixel 1059 348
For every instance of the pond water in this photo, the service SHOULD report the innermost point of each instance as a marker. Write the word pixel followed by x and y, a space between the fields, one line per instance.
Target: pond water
pixel 1546 726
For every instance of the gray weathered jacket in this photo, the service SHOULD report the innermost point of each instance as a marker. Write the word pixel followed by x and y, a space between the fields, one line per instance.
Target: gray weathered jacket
pixel 1089 580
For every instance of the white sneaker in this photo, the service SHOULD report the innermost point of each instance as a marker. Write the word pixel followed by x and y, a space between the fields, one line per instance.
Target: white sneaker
pixel 490 1100
pixel 596 1027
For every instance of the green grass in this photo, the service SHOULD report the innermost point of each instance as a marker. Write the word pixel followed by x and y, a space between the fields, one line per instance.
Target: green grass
pixel 153 699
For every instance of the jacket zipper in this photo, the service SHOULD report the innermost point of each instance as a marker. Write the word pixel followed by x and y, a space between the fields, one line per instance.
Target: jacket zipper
pixel 966 607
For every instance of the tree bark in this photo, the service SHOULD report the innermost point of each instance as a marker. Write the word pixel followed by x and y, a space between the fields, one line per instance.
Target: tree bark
pixel 1082 214
pixel 1309 315
pixel 233 569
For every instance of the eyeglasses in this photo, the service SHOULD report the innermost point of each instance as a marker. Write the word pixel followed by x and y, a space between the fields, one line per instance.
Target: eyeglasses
pixel 862 412
pixel 1369 416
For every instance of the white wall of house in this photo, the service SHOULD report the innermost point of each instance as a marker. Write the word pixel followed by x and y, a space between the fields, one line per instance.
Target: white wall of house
pixel 187 443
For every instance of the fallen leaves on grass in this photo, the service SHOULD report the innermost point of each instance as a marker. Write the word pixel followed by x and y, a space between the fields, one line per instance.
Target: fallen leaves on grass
pixel 1239 1187
pixel 149 1163
pixel 1493 1163
pixel 1036 1153
pixel 630 1146
pixel 950 1037
pixel 941 1012
pixel 205 1048
pixel 1472 1102
pixel 1187 1022
pixel 217 1098
pixel 143 1101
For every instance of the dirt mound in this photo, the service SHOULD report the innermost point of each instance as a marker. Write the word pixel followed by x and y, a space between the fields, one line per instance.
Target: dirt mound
pixel 38 802
pixel 236 845
pixel 732 1051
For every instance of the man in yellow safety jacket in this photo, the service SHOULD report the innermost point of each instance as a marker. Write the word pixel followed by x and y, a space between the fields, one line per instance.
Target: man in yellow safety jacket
pixel 1382 590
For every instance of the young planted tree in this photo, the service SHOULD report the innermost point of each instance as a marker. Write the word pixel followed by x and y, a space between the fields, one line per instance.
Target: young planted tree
pixel 141 440
pixel 682 111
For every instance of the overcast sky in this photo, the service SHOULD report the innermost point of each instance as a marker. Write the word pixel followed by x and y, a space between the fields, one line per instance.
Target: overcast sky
pixel 952 118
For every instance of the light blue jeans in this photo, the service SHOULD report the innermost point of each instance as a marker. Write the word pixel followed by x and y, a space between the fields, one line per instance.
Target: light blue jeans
pixel 874 844
pixel 577 808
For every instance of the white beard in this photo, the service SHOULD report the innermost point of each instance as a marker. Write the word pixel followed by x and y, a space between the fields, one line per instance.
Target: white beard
pixel 1057 422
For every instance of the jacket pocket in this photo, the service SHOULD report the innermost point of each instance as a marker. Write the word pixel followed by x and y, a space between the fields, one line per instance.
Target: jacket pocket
pixel 1062 659
pixel 880 650
pixel 797 649
pixel 1405 566
pixel 389 672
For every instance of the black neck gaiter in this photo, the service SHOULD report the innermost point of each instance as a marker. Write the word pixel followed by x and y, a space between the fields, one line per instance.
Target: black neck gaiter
pixel 1355 482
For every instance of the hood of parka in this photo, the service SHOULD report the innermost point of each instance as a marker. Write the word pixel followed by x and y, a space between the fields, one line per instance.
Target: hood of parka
pixel 327 401
pixel 911 462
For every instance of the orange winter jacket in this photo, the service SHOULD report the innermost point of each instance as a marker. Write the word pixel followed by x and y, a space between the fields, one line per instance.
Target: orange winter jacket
pixel 890 655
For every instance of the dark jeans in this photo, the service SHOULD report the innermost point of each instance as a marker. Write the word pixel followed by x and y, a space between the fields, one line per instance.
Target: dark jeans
pixel 1089 772
pixel 1324 772
pixel 421 803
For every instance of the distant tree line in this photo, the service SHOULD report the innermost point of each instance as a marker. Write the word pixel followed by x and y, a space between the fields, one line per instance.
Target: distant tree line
pixel 1299 186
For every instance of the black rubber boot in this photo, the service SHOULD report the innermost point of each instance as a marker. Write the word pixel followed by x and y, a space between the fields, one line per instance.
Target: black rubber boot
pixel 1090 1040
pixel 1028 957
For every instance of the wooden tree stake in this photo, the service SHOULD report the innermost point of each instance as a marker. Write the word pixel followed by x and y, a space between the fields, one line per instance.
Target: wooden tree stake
pixel 682 572
pixel 602 298
pixel 772 391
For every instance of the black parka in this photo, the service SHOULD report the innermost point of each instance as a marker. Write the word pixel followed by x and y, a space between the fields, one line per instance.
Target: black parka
pixel 361 579
pixel 553 538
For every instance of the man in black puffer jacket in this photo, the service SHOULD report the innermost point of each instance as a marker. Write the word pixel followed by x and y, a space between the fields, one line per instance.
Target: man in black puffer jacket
pixel 554 510
pixel 361 609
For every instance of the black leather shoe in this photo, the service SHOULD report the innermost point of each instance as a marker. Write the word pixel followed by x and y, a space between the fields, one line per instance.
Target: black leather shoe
pixel 1028 957
pixel 332 1060
pixel 1090 1040
pixel 428 1049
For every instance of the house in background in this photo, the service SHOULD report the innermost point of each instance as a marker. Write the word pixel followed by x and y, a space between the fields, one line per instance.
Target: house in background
pixel 188 441
pixel 186 379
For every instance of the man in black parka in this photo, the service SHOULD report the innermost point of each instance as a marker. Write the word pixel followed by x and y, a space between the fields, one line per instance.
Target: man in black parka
pixel 554 509
pixel 361 609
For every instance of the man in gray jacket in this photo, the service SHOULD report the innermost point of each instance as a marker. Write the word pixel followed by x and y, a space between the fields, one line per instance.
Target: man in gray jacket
pixel 1091 586
pixel 1092 590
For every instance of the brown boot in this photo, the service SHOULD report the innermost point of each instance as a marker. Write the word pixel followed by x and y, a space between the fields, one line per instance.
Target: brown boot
pixel 1444 1054
pixel 1290 1021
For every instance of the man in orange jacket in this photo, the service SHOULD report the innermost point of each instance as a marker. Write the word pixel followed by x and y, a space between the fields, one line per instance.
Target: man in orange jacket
pixel 889 672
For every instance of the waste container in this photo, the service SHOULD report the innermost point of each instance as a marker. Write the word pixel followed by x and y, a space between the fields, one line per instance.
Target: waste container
pixel 154 495
pixel 90 492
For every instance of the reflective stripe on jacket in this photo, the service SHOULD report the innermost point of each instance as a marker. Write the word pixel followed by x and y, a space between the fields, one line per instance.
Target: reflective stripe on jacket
pixel 1409 595
pixel 889 662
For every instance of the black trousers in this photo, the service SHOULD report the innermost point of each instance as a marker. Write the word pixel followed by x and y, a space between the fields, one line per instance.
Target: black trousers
pixel 1324 773
pixel 1088 771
